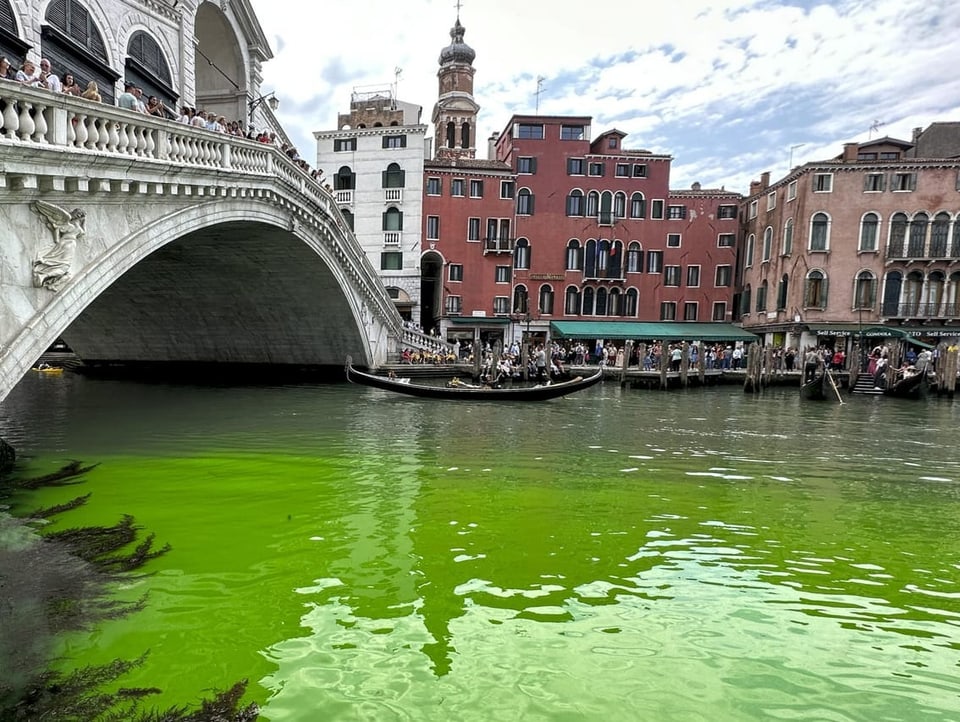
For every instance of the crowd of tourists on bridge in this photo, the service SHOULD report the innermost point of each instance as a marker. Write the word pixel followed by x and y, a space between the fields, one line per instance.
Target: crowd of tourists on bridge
pixel 132 98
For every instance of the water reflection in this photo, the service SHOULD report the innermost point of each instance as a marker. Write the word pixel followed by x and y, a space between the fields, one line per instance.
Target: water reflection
pixel 615 553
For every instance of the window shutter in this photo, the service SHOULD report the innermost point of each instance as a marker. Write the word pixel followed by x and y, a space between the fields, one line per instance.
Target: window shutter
pixel 822 301
pixel 400 225
pixel 867 181
pixel 530 205
pixel 912 181
pixel 403 178
pixel 533 165
pixel 383 179
pixel 57 15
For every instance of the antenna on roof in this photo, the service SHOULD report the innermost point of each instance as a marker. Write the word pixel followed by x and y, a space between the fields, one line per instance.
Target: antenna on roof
pixel 397 72
pixel 539 92
pixel 874 128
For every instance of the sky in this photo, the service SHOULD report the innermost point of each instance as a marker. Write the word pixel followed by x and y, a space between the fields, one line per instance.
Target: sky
pixel 728 88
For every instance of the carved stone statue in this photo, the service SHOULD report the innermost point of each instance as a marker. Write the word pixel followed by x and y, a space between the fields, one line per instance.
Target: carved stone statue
pixel 52 268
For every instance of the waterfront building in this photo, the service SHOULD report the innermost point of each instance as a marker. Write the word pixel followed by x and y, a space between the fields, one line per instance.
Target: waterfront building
pixel 373 161
pixel 863 244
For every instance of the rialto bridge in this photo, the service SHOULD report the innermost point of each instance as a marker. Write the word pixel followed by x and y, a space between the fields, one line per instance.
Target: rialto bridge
pixel 140 239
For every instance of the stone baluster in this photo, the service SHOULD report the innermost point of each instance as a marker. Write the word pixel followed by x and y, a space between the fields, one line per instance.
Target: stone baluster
pixel 27 126
pixel 11 120
pixel 140 141
pixel 71 131
pixel 122 142
pixel 80 130
pixel 150 145
pixel 113 135
pixel 93 134
pixel 40 123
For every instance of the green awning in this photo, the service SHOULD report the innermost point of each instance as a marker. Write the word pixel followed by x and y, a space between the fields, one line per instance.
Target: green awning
pixel 650 331
pixel 478 320
pixel 868 331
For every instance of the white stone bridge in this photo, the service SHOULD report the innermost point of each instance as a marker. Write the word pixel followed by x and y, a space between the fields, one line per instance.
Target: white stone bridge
pixel 189 246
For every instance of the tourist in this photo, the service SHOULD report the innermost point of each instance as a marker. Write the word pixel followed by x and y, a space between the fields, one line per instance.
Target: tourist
pixel 92 92
pixel 5 69
pixel 27 75
pixel 127 100
pixel 68 85
pixel 156 108
pixel 50 80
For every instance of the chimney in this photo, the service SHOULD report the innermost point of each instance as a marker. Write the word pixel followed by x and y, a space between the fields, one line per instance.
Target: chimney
pixel 850 152
pixel 764 180
pixel 492 147
pixel 696 186
pixel 755 187
pixel 917 132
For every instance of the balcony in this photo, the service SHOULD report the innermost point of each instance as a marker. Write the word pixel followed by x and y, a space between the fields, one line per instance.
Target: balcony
pixel 937 249
pixel 393 195
pixel 498 245
pixel 344 197
pixel 942 310
pixel 391 238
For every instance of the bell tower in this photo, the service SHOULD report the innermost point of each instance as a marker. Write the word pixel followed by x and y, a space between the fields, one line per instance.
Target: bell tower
pixel 455 113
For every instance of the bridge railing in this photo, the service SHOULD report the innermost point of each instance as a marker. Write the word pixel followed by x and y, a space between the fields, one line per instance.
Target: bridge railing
pixel 40 119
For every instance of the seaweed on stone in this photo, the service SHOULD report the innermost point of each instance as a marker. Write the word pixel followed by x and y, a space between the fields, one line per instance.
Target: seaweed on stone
pixel 60 581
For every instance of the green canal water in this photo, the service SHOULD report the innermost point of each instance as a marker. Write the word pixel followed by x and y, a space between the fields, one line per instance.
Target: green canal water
pixel 614 555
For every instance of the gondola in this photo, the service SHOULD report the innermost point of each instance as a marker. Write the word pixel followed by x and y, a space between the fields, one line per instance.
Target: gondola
pixel 914 386
pixel 467 392
pixel 817 389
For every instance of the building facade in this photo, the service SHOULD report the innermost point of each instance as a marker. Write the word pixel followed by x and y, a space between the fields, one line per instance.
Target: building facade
pixel 374 162
pixel 866 244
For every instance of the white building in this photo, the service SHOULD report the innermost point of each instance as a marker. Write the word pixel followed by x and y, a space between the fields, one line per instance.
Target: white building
pixel 374 163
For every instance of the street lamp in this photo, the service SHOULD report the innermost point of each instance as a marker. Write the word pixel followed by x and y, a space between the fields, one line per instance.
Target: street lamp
pixel 271 99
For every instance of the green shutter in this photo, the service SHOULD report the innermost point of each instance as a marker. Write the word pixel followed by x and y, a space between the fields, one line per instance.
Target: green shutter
pixel 384 217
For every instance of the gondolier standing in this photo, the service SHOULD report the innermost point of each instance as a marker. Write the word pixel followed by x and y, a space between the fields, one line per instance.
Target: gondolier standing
pixel 811 362
pixel 541 363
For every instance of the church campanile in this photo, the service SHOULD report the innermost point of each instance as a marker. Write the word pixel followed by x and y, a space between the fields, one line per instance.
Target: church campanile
pixel 455 113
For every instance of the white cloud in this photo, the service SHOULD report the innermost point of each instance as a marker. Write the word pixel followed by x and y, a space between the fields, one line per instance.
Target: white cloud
pixel 726 89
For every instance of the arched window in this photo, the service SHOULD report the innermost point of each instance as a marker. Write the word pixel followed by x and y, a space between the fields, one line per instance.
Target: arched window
pixel 615 265
pixel 952 301
pixel 751 242
pixel 601 308
pixel 782 290
pixel 918 236
pixel 451 134
pixel 955 244
pixel 70 39
pixel 892 287
pixel 524 202
pixel 912 291
pixel 521 254
pixel 546 300
pixel 574 255
pixel 465 135
pixel 147 67
pixel 571 304
pixel 521 299
pixel 393 219
pixel 820 232
pixel 11 46
pixel 393 177
pixel 935 287
pixel 815 291
pixel 638 206
pixel 615 303
pixel 865 291
pixel 762 297
pixel 593 204
pixel 590 259
pixel 896 248
pixel 767 243
pixel 620 204
pixel 631 302
pixel 575 203
pixel 344 180
pixel 587 301
pixel 788 237
pixel 868 231
pixel 606 209
pixel 939 235
pixel 634 258
pixel 745 301
pixel 603 257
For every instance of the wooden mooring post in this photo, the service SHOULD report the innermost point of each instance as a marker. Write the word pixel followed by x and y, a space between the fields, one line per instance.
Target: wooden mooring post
pixel 751 383
pixel 947 371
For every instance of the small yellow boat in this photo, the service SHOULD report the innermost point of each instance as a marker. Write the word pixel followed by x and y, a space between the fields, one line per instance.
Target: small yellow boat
pixel 48 370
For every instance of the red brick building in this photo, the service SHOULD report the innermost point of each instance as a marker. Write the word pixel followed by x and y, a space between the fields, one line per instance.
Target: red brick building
pixel 865 243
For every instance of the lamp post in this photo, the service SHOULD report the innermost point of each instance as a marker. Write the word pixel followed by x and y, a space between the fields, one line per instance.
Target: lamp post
pixel 271 100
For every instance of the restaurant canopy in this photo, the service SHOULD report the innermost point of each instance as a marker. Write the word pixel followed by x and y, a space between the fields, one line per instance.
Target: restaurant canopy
pixel 650 331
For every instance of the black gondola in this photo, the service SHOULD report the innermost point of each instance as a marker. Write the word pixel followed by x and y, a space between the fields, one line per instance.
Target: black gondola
pixel 463 392
pixel 817 389
pixel 913 386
